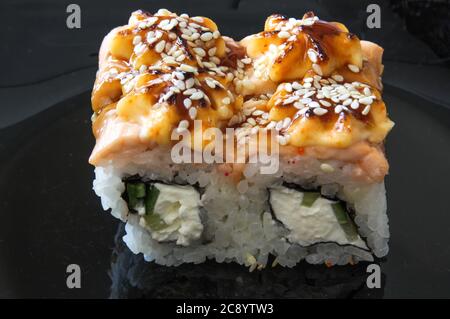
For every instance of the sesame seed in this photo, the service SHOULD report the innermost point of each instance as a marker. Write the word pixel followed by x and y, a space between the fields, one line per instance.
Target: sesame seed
pixel 207 36
pixel 296 86
pixel 159 47
pixel 216 34
pixel 347 102
pixel 288 87
pixel 312 55
pixel 189 91
pixel 172 36
pixel 226 100
pixel 354 105
pixel 353 68
pixel 210 83
pixel 366 100
pixel 325 103
pixel 338 109
pixel 187 68
pixel 212 51
pixel 367 91
pixel 197 19
pixel 284 34
pixel 338 77
pixel 313 104
pixel 197 95
pixel 200 52
pixel 309 94
pixel 193 113
pixel 327 168
pixel 187 103
pixel 306 80
pixel 180 84
pixel 180 58
pixel 319 111
pixel 137 39
pixel 344 96
pixel 366 110
pixel 190 83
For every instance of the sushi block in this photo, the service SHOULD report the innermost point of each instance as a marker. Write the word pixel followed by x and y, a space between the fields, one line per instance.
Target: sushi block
pixel 264 151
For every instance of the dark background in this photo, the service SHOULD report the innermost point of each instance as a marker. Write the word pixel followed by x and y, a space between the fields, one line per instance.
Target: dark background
pixel 51 217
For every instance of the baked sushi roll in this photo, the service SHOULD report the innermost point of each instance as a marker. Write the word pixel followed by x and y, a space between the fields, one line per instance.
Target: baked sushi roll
pixel 306 91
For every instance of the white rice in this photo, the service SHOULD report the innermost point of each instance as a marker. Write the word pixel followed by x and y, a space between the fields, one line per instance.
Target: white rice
pixel 238 223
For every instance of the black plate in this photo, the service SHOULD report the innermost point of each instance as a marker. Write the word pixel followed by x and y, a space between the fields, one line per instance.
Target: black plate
pixel 51 218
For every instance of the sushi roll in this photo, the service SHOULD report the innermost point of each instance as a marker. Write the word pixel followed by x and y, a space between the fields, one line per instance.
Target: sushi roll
pixel 264 151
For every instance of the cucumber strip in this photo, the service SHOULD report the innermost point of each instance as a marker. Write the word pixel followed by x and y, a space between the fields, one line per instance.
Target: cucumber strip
pixel 135 191
pixel 345 221
pixel 150 199
pixel 154 222
pixel 309 198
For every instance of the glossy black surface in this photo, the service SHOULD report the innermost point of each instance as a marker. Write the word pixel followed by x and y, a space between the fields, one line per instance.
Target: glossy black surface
pixel 50 217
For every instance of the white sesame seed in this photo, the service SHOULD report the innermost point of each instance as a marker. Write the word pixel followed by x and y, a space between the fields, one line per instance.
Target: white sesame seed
pixel 180 84
pixel 309 94
pixel 297 86
pixel 193 113
pixel 338 77
pixel 367 91
pixel 226 100
pixel 187 103
pixel 347 102
pixel 200 52
pixel 189 91
pixel 284 34
pixel 172 36
pixel 180 58
pixel 319 111
pixel 210 83
pixel 197 19
pixel 197 95
pixel 354 105
pixel 212 51
pixel 344 96
pixel 312 55
pixel 288 87
pixel 338 109
pixel 216 34
pixel 325 103
pixel 366 110
pixel 207 36
pixel 353 68
pixel 137 39
pixel 159 47
pixel 286 122
pixel 187 68
pixel 366 100
pixel 306 80
pixel 190 83
pixel 326 168
pixel 313 104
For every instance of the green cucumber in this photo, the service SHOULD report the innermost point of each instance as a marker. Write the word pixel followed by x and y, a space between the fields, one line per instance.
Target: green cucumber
pixel 154 222
pixel 309 198
pixel 345 221
pixel 135 191
pixel 150 199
